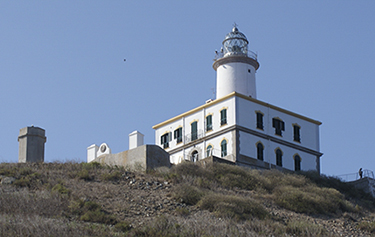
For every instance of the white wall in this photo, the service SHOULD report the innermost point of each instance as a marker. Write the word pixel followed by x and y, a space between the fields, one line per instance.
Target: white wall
pixel 236 77
pixel 246 117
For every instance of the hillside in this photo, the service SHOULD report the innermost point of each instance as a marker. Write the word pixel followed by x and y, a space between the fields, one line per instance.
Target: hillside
pixel 72 199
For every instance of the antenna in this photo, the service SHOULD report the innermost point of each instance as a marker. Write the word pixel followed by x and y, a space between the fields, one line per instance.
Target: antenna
pixel 213 93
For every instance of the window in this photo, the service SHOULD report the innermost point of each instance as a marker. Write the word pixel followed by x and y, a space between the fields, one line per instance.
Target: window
pixel 178 135
pixel 279 157
pixel 296 133
pixel 209 123
pixel 209 150
pixel 259 120
pixel 165 139
pixel 194 131
pixel 224 148
pixel 223 117
pixel 297 163
pixel 260 149
pixel 278 125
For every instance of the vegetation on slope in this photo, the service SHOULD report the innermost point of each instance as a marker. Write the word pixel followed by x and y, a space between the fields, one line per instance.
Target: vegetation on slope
pixel 72 199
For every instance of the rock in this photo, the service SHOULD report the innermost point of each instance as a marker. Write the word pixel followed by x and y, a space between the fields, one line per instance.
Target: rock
pixel 7 180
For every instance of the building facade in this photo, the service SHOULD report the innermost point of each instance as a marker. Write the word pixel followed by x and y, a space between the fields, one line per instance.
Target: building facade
pixel 236 126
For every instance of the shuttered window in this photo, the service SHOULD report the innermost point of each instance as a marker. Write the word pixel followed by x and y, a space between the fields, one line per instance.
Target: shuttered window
pixel 278 125
pixel 194 131
pixel 279 157
pixel 297 163
pixel 259 120
pixel 296 133
pixel 224 148
pixel 209 123
pixel 178 135
pixel 260 150
pixel 223 117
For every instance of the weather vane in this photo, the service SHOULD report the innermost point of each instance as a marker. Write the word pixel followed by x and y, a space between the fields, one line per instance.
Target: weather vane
pixel 235 24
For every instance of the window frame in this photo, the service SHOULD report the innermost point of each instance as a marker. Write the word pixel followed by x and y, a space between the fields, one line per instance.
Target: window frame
pixel 224 147
pixel 297 162
pixel 296 132
pixel 165 139
pixel 279 157
pixel 223 116
pixel 209 150
pixel 279 126
pixel 260 151
pixel 259 120
pixel 194 134
pixel 178 135
pixel 209 125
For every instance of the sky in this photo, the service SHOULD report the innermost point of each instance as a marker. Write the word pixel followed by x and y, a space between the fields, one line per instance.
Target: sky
pixel 62 69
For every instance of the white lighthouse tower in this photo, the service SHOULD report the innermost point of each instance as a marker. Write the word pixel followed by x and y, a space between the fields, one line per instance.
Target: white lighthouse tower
pixel 235 66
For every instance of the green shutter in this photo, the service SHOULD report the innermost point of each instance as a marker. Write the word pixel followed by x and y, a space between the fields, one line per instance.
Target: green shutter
pixel 194 131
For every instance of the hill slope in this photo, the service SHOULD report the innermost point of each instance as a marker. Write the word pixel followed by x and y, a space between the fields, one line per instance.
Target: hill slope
pixel 71 199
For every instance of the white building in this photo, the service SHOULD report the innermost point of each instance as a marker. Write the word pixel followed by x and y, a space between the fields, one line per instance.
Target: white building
pixel 236 126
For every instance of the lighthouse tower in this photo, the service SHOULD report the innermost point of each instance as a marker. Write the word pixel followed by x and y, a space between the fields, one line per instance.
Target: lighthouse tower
pixel 235 66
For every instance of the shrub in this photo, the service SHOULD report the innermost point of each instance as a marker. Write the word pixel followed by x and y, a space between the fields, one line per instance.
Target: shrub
pixel 22 182
pixel 98 216
pixel 61 189
pixel 24 171
pixel 90 211
pixel 367 226
pixel 10 170
pixel 188 194
pixel 311 200
pixel 123 226
pixel 304 228
pixel 84 174
pixel 114 176
pixel 182 211
pixel 91 165
pixel 161 227
pixel 238 208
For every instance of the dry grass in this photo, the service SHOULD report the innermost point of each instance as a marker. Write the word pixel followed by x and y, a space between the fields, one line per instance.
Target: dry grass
pixel 73 199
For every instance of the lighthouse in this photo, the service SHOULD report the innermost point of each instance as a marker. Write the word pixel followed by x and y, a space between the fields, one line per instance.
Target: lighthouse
pixel 236 127
pixel 235 66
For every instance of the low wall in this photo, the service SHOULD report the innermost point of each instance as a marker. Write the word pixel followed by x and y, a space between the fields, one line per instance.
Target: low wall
pixel 140 158
pixel 367 184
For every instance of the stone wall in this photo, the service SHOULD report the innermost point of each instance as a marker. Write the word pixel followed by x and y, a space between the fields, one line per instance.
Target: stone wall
pixel 140 158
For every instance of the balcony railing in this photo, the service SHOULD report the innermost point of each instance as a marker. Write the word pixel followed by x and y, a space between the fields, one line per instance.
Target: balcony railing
pixel 212 152
pixel 194 136
pixel 249 54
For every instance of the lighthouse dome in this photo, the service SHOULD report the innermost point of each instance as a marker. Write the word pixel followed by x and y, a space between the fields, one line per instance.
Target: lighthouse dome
pixel 235 43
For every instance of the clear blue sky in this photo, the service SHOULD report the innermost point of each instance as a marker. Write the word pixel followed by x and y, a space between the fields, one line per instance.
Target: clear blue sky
pixel 62 69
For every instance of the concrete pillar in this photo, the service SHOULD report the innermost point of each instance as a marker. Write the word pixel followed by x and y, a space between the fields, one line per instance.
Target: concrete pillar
pixel 91 152
pixel 135 139
pixel 31 144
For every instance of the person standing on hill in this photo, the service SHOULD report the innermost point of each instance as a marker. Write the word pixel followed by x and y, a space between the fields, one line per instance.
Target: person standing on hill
pixel 360 172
